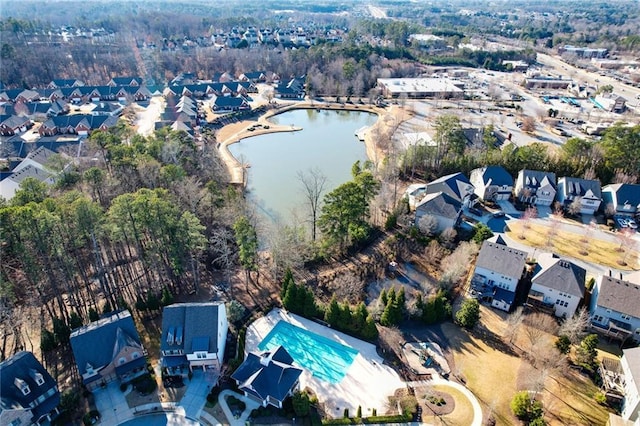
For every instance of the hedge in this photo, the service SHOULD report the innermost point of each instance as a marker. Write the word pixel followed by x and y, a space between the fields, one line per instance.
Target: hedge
pixel 398 418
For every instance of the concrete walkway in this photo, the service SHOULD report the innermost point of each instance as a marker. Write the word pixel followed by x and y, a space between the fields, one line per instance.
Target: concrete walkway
pixel 249 403
pixel 437 380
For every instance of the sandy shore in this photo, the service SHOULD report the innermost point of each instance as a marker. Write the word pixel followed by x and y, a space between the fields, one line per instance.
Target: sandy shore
pixel 235 132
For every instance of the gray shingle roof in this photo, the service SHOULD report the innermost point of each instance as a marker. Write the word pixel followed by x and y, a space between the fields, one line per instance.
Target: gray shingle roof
pixel 537 178
pixel 572 187
pixel 440 204
pixel 501 259
pixel 560 275
pixel 633 360
pixel 196 321
pixel 618 295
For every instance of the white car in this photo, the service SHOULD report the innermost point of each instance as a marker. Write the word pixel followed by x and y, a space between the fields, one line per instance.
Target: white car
pixel 632 224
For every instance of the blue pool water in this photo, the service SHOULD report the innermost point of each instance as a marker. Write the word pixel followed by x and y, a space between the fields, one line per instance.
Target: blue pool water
pixel 160 419
pixel 325 358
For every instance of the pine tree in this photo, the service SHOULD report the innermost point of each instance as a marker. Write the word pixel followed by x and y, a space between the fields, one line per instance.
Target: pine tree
pixel 310 309
pixel 370 331
pixel 332 316
pixel 383 297
pixel 346 319
pixel 93 315
pixel 286 281
pixel 167 297
pixel 290 297
pixel 360 317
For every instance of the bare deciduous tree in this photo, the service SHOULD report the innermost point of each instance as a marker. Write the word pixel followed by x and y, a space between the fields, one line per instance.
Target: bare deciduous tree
pixel 514 321
pixel 434 253
pixel 457 263
pixel 428 224
pixel 448 237
pixel 575 326
pixel 313 185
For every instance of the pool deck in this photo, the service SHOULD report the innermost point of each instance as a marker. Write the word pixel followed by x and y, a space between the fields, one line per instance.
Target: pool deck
pixel 367 383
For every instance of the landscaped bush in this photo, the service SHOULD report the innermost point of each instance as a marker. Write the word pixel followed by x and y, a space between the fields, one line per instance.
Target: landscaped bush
pixel 212 397
pixel 144 384
pixel 89 418
pixel 398 418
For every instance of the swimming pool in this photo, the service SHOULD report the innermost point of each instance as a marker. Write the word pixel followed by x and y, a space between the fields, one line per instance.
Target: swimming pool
pixel 160 419
pixel 324 358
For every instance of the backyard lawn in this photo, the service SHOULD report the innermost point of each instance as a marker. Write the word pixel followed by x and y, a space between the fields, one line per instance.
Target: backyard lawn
pixel 494 373
pixel 587 248
pixel 462 413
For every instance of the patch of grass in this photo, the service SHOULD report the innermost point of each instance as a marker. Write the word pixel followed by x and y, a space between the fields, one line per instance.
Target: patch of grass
pixel 568 243
pixel 461 415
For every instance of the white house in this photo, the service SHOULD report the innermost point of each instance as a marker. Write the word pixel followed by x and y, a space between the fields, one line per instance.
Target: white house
pixel 193 336
pixel 444 208
pixel 497 273
pixel 557 284
pixel 586 191
pixel 536 187
pixel 630 363
pixel 615 308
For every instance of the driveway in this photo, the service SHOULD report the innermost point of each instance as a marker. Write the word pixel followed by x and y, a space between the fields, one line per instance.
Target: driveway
pixel 112 404
pixel 508 208
pixel 196 394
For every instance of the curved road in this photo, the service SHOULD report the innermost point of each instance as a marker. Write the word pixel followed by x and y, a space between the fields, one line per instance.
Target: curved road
pixel 437 380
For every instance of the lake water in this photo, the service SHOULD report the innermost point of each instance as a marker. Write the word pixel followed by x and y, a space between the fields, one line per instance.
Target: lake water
pixel 327 142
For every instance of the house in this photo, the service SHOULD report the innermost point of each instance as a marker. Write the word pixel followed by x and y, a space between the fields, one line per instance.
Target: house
pixel 107 108
pixel 28 393
pixel 557 284
pixel 292 89
pixel 415 193
pixel 492 183
pixel 455 185
pixel 622 198
pixel 14 124
pixel 254 77
pixel 108 349
pixel 125 81
pixel 615 308
pixel 228 104
pixel 58 83
pixel 497 272
pixel 536 187
pixel 630 363
pixel 269 377
pixel 443 207
pixel 193 336
pixel 34 165
pixel 586 192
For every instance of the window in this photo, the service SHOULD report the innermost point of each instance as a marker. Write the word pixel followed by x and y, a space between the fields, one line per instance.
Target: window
pixel 135 355
pixel 122 361
pixel 201 355
pixel 598 318
pixel 625 317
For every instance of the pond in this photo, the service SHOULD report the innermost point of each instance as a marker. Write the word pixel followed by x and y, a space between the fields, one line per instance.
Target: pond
pixel 327 142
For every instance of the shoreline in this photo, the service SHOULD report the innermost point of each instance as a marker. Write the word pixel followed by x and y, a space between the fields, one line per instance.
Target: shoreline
pixel 239 131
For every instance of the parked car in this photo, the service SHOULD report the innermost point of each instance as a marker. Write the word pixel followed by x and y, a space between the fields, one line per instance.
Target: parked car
pixel 632 224
pixel 499 213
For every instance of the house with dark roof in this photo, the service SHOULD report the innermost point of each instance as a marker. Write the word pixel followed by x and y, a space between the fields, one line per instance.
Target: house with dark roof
pixel 125 81
pixel 624 198
pixel 615 308
pixel 193 336
pixel 28 393
pixel 536 187
pixel 292 89
pixel 497 273
pixel 229 104
pixel 58 83
pixel 108 349
pixel 586 192
pixel 107 108
pixel 14 124
pixel 444 208
pixel 268 377
pixel 455 185
pixel 254 77
pixel 557 285
pixel 630 363
pixel 492 183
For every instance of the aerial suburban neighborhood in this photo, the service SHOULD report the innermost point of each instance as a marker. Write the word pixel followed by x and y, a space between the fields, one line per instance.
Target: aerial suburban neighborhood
pixel 330 213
